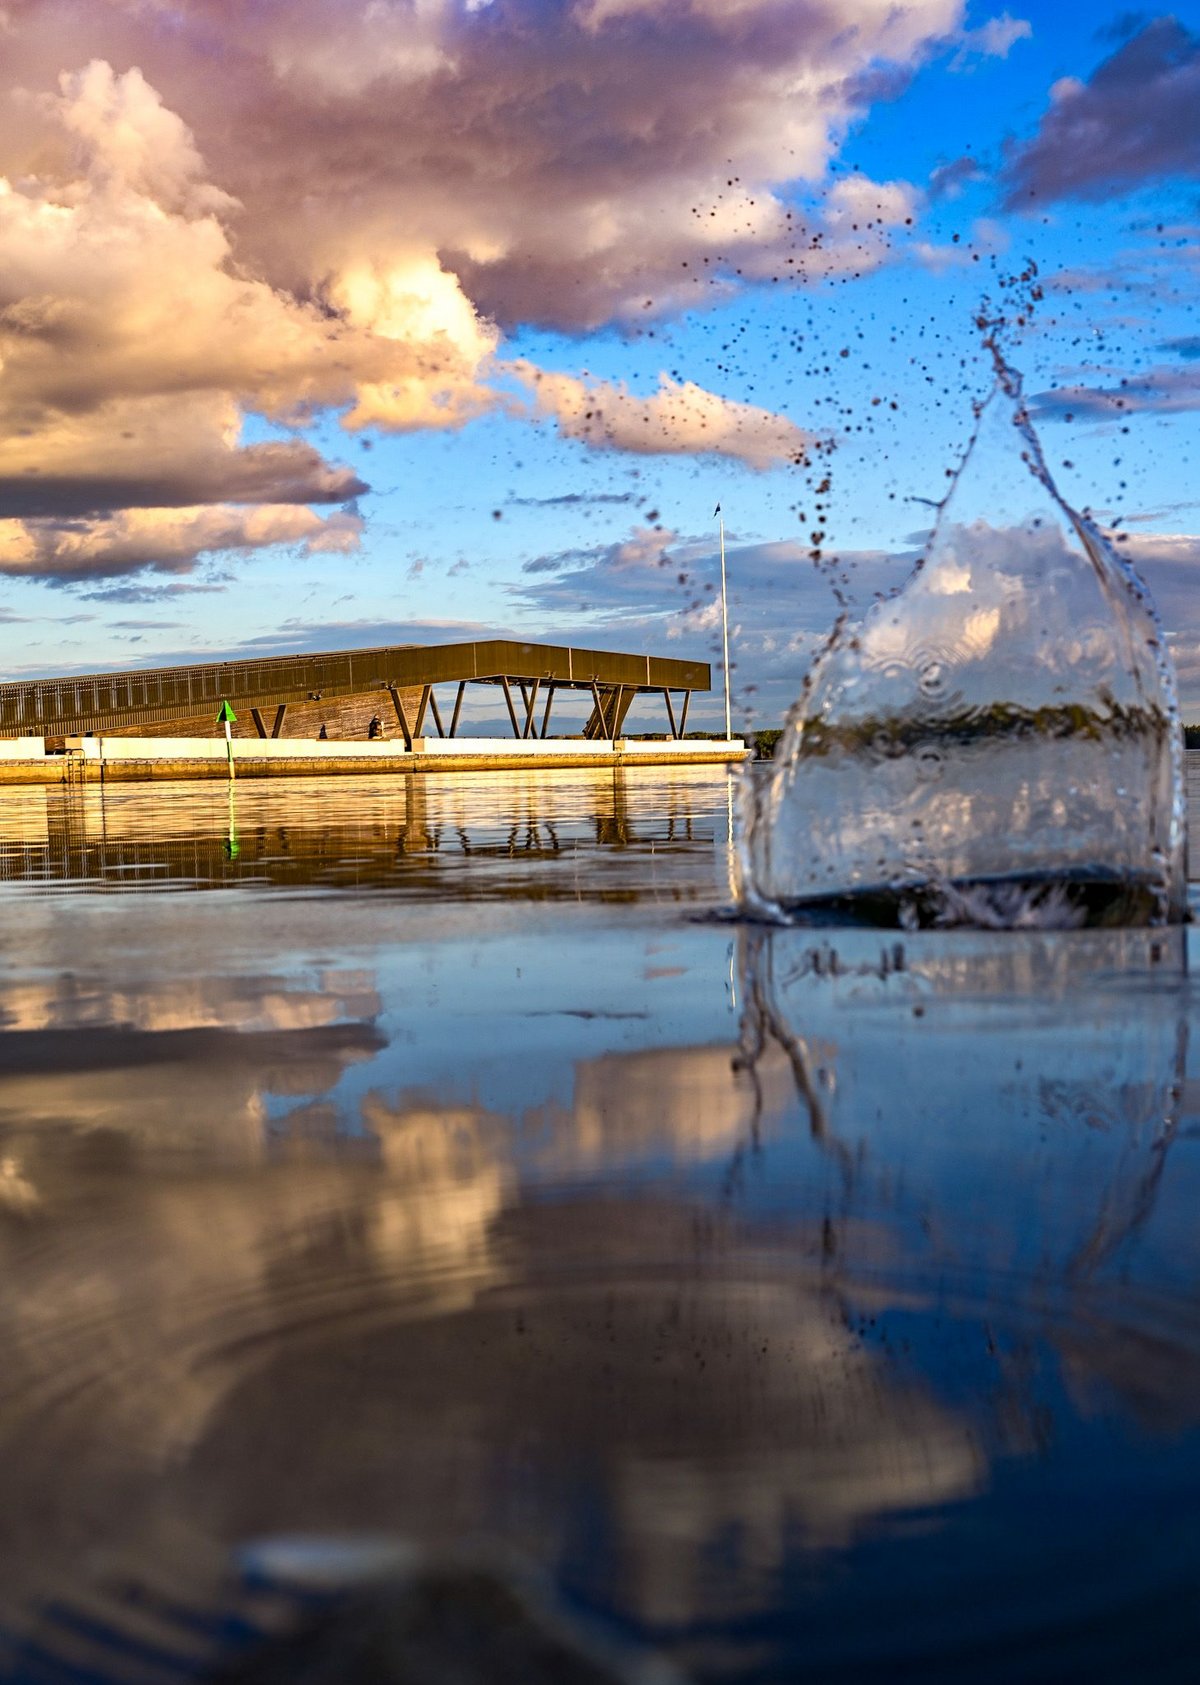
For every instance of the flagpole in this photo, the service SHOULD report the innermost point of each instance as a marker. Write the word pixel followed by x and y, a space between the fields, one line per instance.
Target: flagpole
pixel 725 628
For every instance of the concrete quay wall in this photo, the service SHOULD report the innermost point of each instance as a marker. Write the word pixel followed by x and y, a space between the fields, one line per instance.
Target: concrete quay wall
pixel 120 759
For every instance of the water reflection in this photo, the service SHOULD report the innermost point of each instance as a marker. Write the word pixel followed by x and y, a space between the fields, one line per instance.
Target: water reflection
pixel 188 1065
pixel 856 1334
pixel 473 834
pixel 1044 1076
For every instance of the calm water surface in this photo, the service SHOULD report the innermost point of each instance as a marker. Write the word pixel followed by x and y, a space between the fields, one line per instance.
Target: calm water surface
pixel 424 1159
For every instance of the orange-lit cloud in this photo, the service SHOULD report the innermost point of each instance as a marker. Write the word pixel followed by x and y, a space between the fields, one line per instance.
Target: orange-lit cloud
pixel 210 211
pixel 680 417
pixel 166 540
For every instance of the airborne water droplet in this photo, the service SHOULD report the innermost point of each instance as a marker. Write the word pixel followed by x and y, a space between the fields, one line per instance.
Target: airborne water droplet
pixel 999 741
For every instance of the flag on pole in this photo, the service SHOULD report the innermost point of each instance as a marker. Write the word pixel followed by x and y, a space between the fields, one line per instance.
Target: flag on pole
pixel 716 511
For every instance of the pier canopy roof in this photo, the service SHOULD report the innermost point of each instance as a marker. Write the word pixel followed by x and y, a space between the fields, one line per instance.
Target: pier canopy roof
pixel 407 673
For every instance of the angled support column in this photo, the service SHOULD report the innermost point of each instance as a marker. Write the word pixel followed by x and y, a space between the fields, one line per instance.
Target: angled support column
pixel 595 724
pixel 426 693
pixel 259 724
pixel 401 716
pixel 687 697
pixel 546 715
pixel 670 713
pixel 611 704
pixel 457 708
pixel 508 697
pixel 530 705
pixel 622 702
pixel 280 716
pixel 433 709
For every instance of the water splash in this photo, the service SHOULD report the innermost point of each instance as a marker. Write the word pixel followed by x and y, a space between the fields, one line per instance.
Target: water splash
pixel 998 742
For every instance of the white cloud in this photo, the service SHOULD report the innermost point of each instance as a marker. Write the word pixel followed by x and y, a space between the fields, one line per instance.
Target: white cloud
pixel 994 39
pixel 680 417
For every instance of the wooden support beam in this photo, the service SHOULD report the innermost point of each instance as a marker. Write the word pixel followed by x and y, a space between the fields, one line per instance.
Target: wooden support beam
pixel 433 709
pixel 670 712
pixel 605 711
pixel 401 716
pixel 280 716
pixel 426 693
pixel 512 712
pixel 530 705
pixel 457 708
pixel 259 724
pixel 549 700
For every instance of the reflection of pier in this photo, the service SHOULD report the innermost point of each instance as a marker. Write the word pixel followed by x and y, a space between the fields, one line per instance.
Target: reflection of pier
pixel 315 832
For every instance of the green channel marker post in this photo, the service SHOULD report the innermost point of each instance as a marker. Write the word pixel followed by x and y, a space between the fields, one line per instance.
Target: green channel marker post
pixel 232 846
pixel 226 718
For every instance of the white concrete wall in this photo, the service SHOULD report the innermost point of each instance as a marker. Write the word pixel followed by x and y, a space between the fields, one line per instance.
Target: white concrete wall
pixel 732 746
pixel 306 748
pixel 22 748
pixel 533 747
pixel 244 748
pixel 526 747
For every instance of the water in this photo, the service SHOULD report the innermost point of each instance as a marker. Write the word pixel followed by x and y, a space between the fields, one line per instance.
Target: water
pixel 998 742
pixel 432 1165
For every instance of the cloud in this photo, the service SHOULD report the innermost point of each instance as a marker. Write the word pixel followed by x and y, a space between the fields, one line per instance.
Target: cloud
pixel 1170 565
pixel 1188 347
pixel 113 397
pixel 994 39
pixel 314 636
pixel 372 197
pixel 1122 26
pixel 164 540
pixel 572 499
pixel 658 586
pixel 90 467
pixel 298 635
pixel 148 593
pixel 1161 391
pixel 680 418
pixel 558 164
pixel 646 547
pixel 1136 119
pixel 949 179
pixel 1174 549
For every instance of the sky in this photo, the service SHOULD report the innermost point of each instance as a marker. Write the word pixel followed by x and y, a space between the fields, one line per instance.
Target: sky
pixel 327 323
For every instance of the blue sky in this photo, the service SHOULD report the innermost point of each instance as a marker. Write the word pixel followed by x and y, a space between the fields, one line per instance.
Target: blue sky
pixel 427 334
